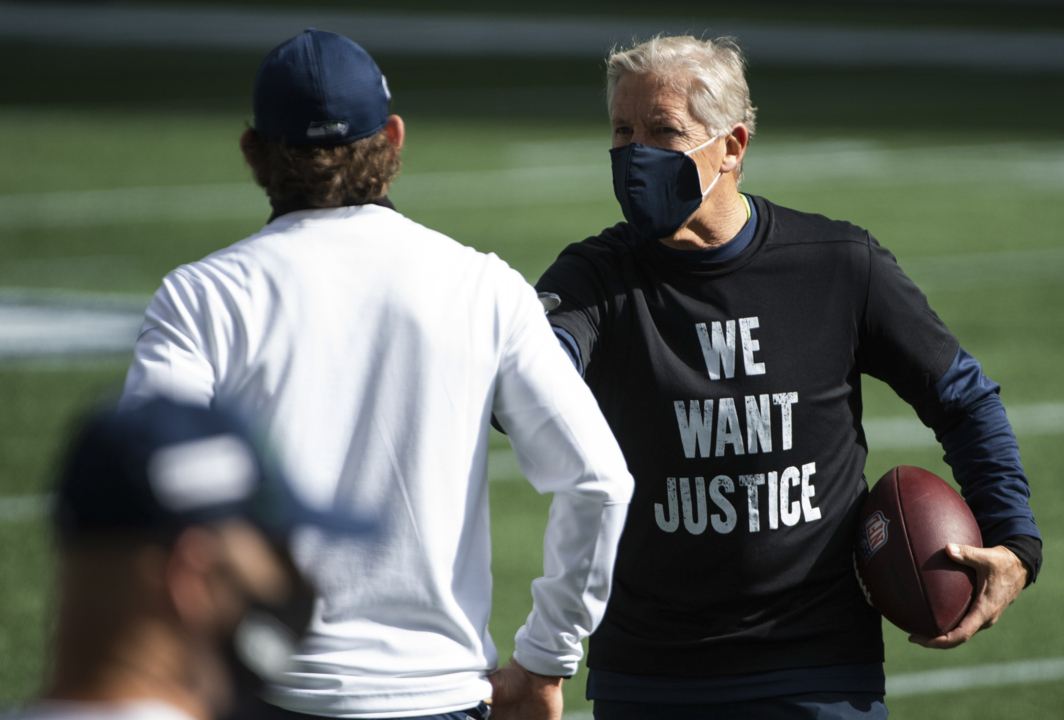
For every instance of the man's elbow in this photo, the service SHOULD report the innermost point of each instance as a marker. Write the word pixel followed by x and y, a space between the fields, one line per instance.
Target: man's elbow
pixel 616 487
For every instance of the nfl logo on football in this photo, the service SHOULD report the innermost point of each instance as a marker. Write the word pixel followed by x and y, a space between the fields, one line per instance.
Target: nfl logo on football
pixel 874 535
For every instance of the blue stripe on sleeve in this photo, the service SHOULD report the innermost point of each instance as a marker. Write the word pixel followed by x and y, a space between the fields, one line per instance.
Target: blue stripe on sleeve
pixel 568 343
pixel 982 450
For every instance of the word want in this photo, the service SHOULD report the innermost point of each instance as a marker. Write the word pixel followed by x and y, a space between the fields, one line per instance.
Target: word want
pixel 696 425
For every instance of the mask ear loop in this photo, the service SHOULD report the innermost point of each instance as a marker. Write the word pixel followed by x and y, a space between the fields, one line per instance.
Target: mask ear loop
pixel 710 188
pixel 694 150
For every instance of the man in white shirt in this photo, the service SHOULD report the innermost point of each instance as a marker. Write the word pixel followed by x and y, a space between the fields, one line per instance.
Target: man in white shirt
pixel 375 351
pixel 177 597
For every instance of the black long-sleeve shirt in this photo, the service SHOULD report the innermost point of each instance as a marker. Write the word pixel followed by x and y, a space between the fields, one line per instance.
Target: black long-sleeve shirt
pixel 733 387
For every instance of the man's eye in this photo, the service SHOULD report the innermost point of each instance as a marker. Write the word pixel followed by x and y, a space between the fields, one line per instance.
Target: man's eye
pixel 623 130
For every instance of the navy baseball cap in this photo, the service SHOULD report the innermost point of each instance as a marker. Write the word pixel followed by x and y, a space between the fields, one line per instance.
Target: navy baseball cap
pixel 162 466
pixel 319 88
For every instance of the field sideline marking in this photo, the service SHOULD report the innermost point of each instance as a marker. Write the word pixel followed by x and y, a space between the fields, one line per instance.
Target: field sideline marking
pixel 890 433
pixel 1022 672
pixel 36 330
pixel 882 433
pixel 467 34
pixel 1038 165
pixel 36 323
pixel 26 507
pixel 15 508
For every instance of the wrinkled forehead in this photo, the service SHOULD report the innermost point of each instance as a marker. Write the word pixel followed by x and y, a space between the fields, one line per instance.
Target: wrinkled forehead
pixel 649 98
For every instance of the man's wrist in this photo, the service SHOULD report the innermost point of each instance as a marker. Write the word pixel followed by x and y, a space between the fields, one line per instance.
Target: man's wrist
pixel 543 664
pixel 1028 550
pixel 542 678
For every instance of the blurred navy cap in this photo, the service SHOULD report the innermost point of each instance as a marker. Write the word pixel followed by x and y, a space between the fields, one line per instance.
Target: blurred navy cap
pixel 162 466
pixel 319 88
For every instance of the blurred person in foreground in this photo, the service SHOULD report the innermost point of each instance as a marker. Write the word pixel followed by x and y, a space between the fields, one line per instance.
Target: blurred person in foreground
pixel 375 352
pixel 725 338
pixel 177 597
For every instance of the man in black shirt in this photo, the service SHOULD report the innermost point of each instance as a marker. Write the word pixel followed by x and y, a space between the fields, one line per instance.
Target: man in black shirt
pixel 724 338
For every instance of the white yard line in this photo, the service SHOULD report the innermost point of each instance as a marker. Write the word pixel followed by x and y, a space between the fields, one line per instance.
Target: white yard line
pixel 41 330
pixel 1022 672
pixel 882 434
pixel 502 465
pixel 16 508
pixel 148 205
pixel 1027 420
pixel 1036 164
pixel 952 679
pixel 38 323
pixel 240 201
pixel 1039 166
pixel 585 37
pixel 987 270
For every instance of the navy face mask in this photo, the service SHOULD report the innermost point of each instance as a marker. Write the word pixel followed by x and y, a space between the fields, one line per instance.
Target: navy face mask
pixel 658 189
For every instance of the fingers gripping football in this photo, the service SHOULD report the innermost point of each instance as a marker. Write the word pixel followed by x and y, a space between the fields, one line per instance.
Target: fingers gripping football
pixel 1000 576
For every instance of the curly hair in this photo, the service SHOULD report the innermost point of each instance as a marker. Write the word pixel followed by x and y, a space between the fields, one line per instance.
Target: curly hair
pixel 326 176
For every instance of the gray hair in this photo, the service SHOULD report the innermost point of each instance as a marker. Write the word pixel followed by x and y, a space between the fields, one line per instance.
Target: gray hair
pixel 710 72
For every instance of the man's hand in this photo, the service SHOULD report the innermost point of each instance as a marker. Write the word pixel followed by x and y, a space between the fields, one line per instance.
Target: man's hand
pixel 1000 576
pixel 518 694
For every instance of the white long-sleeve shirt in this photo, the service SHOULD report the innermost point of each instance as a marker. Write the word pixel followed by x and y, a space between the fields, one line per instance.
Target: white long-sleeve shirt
pixel 374 352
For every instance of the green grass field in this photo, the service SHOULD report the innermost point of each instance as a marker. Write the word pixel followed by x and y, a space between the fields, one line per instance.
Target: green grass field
pixel 936 165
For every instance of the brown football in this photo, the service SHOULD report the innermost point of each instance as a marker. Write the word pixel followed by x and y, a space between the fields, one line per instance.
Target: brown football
pixel 900 551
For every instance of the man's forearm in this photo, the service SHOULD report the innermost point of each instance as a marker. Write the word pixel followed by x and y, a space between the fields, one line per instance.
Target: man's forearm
pixel 564 446
pixel 982 451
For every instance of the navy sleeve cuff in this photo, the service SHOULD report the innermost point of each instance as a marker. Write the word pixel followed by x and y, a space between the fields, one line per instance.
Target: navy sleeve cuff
pixel 1029 550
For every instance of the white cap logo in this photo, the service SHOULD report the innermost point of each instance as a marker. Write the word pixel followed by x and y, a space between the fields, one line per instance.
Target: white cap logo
pixel 384 84
pixel 201 473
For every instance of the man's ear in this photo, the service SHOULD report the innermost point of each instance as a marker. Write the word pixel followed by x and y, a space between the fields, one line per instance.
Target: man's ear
pixel 735 148
pixel 395 130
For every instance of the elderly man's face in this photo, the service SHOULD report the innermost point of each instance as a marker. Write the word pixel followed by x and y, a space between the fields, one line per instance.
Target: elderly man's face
pixel 647 110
